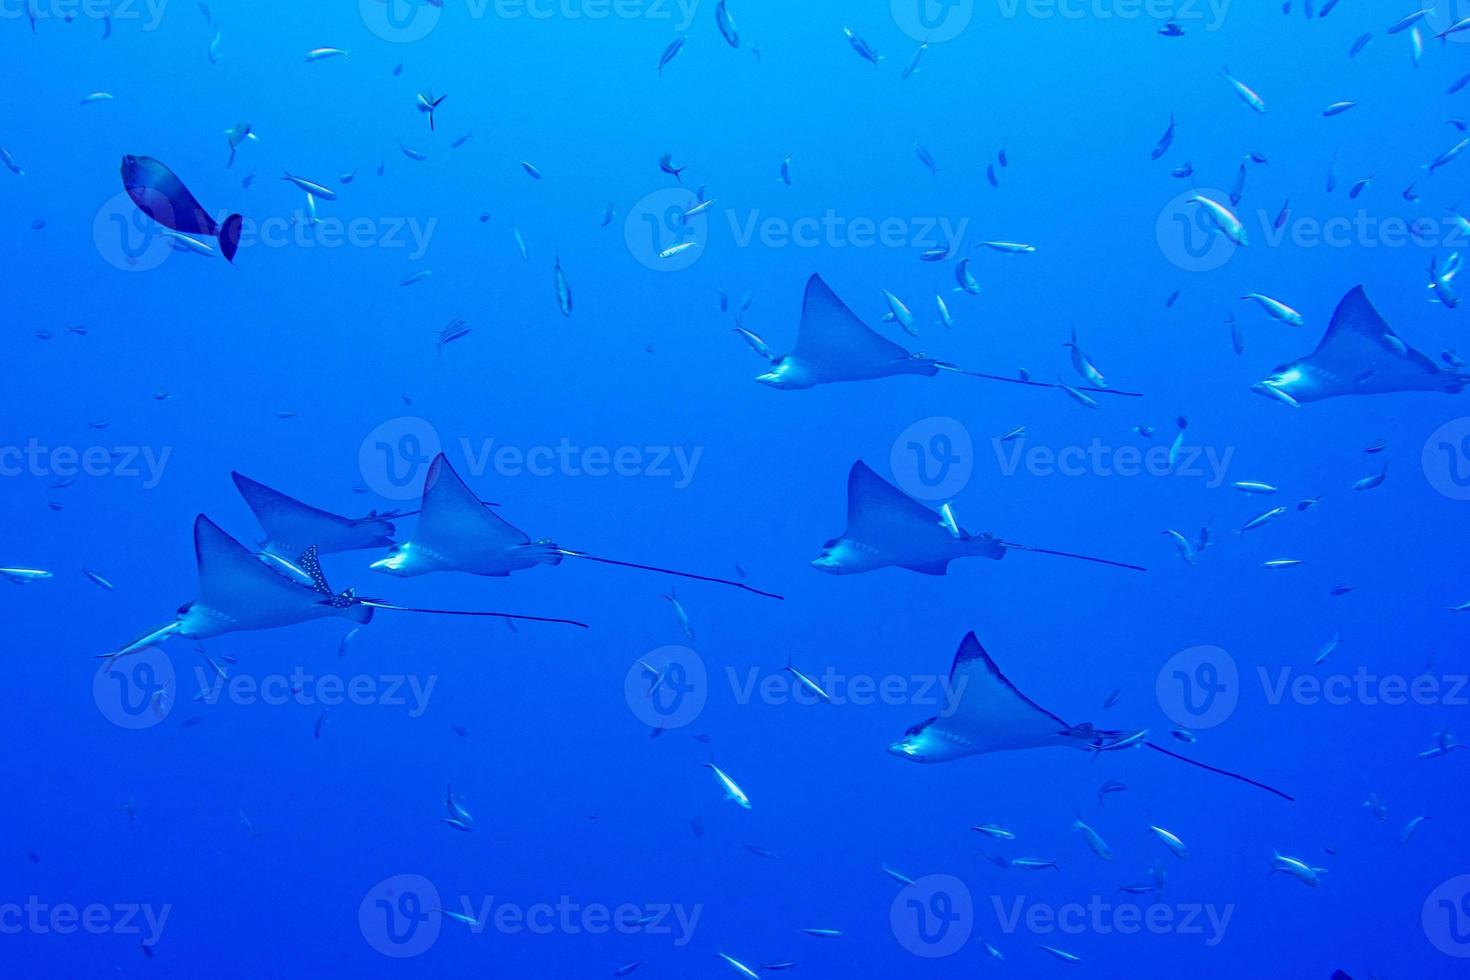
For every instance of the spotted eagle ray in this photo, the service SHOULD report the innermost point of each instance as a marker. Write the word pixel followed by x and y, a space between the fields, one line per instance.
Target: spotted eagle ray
pixel 984 712
pixel 456 532
pixel 833 345
pixel 1359 355
pixel 292 526
pixel 240 592
pixel 887 527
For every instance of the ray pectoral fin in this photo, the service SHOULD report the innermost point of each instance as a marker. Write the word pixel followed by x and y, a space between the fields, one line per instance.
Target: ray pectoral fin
pixel 1360 353
pixel 668 571
pixel 377 604
pixel 453 521
pixel 837 346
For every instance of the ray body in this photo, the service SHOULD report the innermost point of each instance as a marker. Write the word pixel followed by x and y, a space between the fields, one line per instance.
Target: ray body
pixel 292 526
pixel 457 532
pixel 984 712
pixel 888 528
pixel 1359 355
pixel 833 345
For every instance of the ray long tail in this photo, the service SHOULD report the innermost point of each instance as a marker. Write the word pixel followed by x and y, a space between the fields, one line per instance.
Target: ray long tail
pixel 669 571
pixel 375 604
pixel 1068 554
pixel 1222 772
pixel 1035 384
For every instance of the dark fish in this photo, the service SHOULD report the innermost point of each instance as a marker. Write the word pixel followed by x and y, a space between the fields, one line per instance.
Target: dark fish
pixel 159 193
pixel 675 46
pixel 1165 141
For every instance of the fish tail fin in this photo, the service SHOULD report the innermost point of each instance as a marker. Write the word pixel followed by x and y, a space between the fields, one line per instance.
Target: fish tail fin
pixel 229 236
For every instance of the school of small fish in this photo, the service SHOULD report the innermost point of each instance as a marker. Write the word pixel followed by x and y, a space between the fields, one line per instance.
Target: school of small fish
pixel 855 336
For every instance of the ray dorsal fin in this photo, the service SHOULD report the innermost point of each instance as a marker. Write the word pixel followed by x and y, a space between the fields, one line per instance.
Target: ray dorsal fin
pixel 455 521
pixel 293 525
pixel 232 579
pixel 834 342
